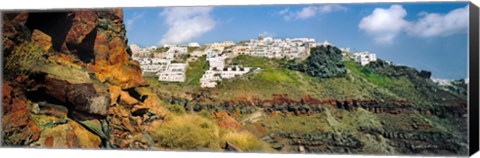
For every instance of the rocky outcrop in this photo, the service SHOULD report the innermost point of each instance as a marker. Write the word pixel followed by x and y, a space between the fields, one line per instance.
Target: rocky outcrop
pixel 315 142
pixel 18 129
pixel 309 105
pixel 224 120
pixel 421 141
pixel 70 82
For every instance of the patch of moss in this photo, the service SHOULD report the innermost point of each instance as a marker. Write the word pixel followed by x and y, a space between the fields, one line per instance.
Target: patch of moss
pixel 23 60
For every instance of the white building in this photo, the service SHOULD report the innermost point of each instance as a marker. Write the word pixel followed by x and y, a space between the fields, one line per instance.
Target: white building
pixel 233 71
pixel 193 44
pixel 175 72
pixel 198 53
pixel 364 57
pixel 217 62
pixel 135 48
pixel 210 78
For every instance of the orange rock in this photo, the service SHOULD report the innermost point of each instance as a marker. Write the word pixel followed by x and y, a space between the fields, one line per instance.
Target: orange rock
pixel 69 135
pixel 224 120
pixel 118 53
pixel 117 12
pixel 84 22
pixel 115 93
pixel 101 47
pixel 41 39
pixel 21 17
pixel 128 125
pixel 17 126
pixel 49 142
pixel 7 97
pixel 125 98
pixel 72 140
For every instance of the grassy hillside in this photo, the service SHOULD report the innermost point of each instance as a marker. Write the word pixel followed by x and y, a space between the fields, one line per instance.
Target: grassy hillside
pixel 274 78
pixel 336 130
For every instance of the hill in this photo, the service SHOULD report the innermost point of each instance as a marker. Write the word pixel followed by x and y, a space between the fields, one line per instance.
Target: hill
pixel 377 108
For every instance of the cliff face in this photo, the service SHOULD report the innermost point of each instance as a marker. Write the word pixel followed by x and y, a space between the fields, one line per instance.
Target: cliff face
pixel 69 81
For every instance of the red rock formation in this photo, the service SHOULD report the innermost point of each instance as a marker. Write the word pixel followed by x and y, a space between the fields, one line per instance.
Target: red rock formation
pixel 17 126
pixel 224 120
pixel 86 69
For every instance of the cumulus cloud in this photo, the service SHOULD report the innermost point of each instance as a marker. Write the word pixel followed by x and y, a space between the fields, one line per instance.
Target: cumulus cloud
pixel 385 24
pixel 186 23
pixel 433 24
pixel 310 11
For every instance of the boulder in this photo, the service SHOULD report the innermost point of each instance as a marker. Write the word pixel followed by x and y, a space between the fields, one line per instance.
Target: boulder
pixel 68 135
pixel 41 39
pixel 82 99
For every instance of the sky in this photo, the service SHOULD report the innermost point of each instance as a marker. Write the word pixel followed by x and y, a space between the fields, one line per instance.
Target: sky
pixel 427 36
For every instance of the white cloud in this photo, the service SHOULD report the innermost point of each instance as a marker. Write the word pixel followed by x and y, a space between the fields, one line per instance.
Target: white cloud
pixel 433 24
pixel 186 23
pixel 268 34
pixel 136 16
pixel 284 11
pixel 385 24
pixel 310 11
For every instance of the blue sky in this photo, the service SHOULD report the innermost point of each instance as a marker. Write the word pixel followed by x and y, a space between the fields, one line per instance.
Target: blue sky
pixel 429 36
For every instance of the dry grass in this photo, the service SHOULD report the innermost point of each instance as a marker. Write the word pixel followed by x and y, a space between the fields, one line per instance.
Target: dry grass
pixel 187 132
pixel 247 142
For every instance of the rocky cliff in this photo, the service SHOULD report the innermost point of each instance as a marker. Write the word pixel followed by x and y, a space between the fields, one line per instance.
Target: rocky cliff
pixel 69 82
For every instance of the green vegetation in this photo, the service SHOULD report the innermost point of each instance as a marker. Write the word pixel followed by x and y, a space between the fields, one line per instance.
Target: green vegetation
pixel 195 70
pixel 161 50
pixel 191 49
pixel 250 61
pixel 23 60
pixel 295 124
pixel 247 142
pixel 323 62
pixel 374 78
pixel 274 78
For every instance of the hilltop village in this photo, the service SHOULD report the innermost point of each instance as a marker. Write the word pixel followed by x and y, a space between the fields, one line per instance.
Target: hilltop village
pixel 169 63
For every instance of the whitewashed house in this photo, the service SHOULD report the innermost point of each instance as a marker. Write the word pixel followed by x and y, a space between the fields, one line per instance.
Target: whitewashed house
pixel 216 62
pixel 364 57
pixel 193 44
pixel 210 78
pixel 233 71
pixel 175 72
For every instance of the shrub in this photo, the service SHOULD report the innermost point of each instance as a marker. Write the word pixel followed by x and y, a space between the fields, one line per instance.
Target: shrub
pixel 187 132
pixel 175 108
pixel 246 141
pixel 324 62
